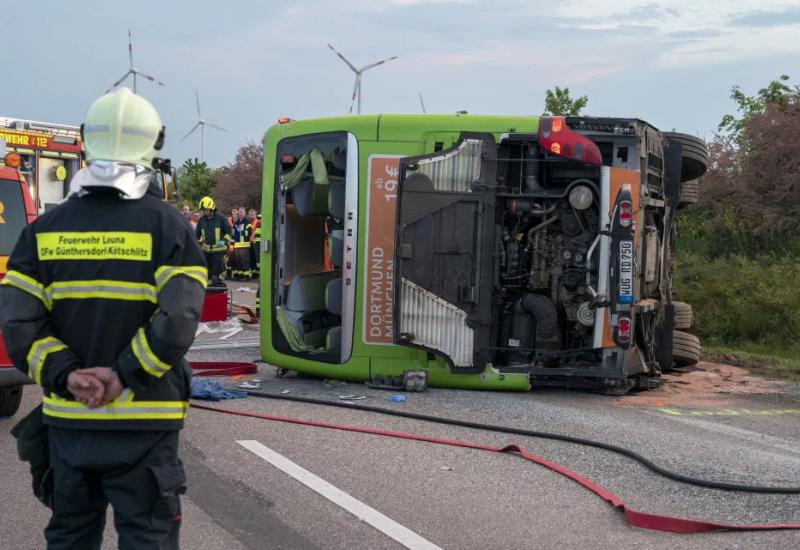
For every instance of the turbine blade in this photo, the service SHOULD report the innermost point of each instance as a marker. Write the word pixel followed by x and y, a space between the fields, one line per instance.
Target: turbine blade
pixel 343 58
pixel 130 48
pixel 422 103
pixel 120 81
pixel 148 77
pixel 373 65
pixel 355 93
pixel 195 127
pixel 197 97
pixel 217 127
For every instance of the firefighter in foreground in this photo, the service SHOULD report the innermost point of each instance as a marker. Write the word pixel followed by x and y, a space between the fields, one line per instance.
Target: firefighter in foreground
pixel 213 232
pixel 99 306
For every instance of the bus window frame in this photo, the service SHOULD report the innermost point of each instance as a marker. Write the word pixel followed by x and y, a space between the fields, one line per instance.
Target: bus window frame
pixel 349 268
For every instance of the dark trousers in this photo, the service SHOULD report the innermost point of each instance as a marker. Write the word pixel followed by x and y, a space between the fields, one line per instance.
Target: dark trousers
pixel 255 256
pixel 216 265
pixel 239 262
pixel 138 473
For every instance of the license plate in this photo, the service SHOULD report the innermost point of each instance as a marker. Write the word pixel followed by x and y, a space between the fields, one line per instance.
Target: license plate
pixel 625 271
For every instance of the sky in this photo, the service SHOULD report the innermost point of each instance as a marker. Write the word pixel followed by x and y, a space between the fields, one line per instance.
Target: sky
pixel 672 63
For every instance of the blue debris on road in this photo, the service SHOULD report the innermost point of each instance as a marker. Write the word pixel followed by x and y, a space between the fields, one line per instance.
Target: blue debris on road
pixel 213 391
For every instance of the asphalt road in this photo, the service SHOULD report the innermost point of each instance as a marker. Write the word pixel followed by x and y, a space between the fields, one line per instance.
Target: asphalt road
pixel 455 497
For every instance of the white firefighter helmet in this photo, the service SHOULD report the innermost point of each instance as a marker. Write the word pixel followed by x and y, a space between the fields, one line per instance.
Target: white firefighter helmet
pixel 123 127
pixel 122 134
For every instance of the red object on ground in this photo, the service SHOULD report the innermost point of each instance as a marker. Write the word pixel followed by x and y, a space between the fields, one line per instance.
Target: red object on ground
pixel 222 368
pixel 215 307
pixel 644 520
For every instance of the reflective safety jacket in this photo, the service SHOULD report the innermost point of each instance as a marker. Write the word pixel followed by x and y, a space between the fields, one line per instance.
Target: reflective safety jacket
pixel 211 230
pixel 242 236
pixel 102 281
pixel 255 236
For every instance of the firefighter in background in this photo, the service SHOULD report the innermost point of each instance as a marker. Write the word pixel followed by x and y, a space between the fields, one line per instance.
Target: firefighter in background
pixel 239 257
pixel 255 240
pixel 99 306
pixel 233 221
pixel 213 233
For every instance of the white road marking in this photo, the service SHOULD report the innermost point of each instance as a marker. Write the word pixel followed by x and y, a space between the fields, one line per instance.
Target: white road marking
pixel 363 512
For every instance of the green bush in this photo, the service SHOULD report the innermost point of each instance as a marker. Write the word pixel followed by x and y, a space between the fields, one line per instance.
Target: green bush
pixel 739 300
pixel 700 233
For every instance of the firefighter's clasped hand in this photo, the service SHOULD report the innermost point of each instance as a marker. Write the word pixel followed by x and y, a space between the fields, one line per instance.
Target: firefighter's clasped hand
pixel 94 387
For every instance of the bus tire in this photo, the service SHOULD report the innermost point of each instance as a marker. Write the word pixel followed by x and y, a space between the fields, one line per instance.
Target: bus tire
pixel 686 348
pixel 694 156
pixel 10 398
pixel 684 315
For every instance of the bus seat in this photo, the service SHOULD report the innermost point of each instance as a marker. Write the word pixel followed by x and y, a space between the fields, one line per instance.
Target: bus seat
pixel 307 291
pixel 310 198
pixel 336 198
pixel 305 306
pixel 333 296
pixel 336 240
pixel 333 339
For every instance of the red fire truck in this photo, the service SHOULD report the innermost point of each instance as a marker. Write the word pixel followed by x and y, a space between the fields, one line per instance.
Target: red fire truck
pixel 16 210
pixel 50 155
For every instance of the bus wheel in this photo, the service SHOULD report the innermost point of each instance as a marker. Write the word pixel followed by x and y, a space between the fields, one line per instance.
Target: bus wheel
pixel 686 348
pixel 684 315
pixel 694 157
pixel 10 398
pixel 690 193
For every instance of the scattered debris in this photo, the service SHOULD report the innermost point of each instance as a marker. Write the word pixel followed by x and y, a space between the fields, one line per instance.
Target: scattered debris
pixel 353 397
pixel 231 333
pixel 249 386
pixel 446 468
pixel 209 390
pixel 286 391
pixel 397 398
pixel 245 289
pixel 332 382
pixel 703 384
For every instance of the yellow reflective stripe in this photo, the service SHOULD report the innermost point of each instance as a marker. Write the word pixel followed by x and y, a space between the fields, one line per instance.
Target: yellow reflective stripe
pixel 241 244
pixel 149 360
pixel 38 353
pixel 95 245
pixel 167 272
pixel 103 289
pixel 217 233
pixel 28 284
pixel 116 410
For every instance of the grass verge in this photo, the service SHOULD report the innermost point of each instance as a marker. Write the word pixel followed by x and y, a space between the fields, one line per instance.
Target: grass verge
pixel 759 359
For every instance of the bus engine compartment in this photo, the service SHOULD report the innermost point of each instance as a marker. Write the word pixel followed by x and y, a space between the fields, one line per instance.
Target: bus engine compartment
pixel 527 255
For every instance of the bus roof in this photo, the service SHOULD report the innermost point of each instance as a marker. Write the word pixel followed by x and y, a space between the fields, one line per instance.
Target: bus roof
pixel 389 127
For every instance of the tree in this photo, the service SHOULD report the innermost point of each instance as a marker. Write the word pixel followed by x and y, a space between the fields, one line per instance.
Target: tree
pixel 239 183
pixel 195 181
pixel 751 188
pixel 559 102
pixel 777 94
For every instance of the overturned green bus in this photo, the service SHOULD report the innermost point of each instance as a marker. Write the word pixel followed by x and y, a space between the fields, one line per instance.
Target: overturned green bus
pixel 484 252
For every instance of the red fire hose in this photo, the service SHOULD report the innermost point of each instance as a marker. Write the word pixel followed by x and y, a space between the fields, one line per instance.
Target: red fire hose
pixel 633 517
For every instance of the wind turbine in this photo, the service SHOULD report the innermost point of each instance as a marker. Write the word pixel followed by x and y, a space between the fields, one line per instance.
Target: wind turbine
pixel 133 70
pixel 201 123
pixel 359 72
